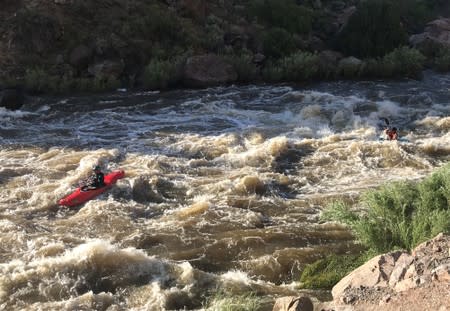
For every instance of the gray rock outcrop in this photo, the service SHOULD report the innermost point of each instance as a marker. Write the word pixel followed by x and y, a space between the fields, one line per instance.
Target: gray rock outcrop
pixel 208 70
pixel 396 272
pixel 435 36
pixel 292 303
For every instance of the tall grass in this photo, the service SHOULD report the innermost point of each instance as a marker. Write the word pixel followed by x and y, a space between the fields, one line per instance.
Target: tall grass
pixel 326 272
pixel 297 67
pixel 224 302
pixel 400 214
pixel 161 74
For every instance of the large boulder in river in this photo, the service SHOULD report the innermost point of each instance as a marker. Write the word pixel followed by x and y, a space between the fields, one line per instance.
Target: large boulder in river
pixel 208 70
pixel 11 98
pixel 435 36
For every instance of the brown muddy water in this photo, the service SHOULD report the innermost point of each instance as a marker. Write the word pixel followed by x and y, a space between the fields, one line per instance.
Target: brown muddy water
pixel 223 188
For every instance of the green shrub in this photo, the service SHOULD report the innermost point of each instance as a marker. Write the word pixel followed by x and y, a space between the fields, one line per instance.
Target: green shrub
pixel 373 30
pixel 297 67
pixel 400 214
pixel 442 60
pixel 403 61
pixel 243 64
pixel 214 34
pixel 153 22
pixel 285 14
pixel 39 80
pixel 300 66
pixel 272 72
pixel 327 272
pixel 277 42
pixel 225 302
pixel 160 74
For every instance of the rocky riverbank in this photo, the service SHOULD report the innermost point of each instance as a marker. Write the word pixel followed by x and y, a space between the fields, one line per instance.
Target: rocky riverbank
pixel 65 46
pixel 398 280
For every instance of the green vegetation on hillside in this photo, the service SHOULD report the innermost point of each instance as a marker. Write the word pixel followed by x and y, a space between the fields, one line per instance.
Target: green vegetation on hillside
pixel 374 30
pixel 147 38
pixel 285 14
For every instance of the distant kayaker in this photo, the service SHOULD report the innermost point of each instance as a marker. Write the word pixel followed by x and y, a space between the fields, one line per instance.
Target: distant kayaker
pixel 96 180
pixel 391 133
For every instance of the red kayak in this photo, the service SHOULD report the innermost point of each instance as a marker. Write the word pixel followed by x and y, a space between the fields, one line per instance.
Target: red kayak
pixel 79 197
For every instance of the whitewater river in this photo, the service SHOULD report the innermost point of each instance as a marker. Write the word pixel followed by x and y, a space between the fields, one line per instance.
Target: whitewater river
pixel 223 188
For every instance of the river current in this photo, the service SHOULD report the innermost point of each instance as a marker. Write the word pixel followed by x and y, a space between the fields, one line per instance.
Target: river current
pixel 223 187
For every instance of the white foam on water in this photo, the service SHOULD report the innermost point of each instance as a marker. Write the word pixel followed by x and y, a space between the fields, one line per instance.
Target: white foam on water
pixel 214 178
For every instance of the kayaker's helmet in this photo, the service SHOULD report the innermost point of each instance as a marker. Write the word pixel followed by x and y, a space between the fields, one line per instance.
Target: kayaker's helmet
pixel 96 168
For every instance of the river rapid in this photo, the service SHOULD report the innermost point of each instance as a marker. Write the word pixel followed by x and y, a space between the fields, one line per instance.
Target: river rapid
pixel 223 188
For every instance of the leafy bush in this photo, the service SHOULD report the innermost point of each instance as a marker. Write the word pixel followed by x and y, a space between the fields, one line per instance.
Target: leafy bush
pixel 160 74
pixel 214 34
pixel 278 42
pixel 39 80
pixel 400 214
pixel 243 64
pixel 285 14
pixel 272 72
pixel 442 60
pixel 153 22
pixel 403 61
pixel 297 67
pixel 373 30
pixel 301 66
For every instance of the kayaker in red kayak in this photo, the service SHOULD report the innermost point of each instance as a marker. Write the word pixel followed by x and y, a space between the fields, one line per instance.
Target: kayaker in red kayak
pixel 391 133
pixel 95 181
pixel 99 183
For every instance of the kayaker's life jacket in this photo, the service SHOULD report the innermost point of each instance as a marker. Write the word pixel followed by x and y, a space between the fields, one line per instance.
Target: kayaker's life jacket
pixel 98 180
pixel 391 134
